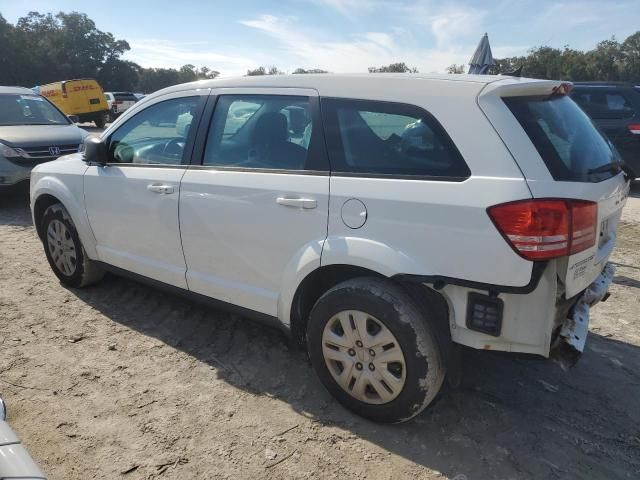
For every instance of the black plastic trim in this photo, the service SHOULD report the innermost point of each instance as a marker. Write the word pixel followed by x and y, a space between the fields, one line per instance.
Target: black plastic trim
pixel 439 281
pixel 259 170
pixel 203 299
pixel 497 303
pixel 395 176
pixel 144 165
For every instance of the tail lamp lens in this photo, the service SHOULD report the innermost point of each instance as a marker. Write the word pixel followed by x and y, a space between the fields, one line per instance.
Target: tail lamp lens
pixel 546 228
pixel 635 128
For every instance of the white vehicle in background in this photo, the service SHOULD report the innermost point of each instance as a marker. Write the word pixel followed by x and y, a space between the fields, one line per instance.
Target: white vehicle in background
pixel 378 219
pixel 119 102
pixel 15 461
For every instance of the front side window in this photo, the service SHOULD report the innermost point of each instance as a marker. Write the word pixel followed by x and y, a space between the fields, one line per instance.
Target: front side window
pixel 261 131
pixel 29 110
pixel 382 138
pixel 570 145
pixel 156 135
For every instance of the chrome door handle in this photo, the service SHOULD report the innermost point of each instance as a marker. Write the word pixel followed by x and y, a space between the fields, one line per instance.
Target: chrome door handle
pixel 306 203
pixel 159 188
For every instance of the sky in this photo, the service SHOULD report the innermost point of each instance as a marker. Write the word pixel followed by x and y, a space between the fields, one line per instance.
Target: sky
pixel 341 35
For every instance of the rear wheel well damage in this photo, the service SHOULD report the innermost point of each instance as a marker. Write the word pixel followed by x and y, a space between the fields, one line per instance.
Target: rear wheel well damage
pixel 40 206
pixel 324 278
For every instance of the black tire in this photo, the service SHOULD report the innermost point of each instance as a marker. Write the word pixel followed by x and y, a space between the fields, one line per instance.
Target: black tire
pixel 86 271
pixel 100 121
pixel 423 351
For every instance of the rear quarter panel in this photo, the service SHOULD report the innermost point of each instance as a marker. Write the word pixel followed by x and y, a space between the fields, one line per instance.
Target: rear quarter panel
pixel 431 227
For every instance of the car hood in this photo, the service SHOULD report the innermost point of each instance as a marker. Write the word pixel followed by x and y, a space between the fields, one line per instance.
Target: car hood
pixel 39 135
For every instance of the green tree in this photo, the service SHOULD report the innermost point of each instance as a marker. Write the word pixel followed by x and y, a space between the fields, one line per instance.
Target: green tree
pixel 299 71
pixel 264 71
pixel 399 67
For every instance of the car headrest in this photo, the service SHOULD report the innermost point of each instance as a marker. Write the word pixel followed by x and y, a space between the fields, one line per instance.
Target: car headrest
pixel 270 128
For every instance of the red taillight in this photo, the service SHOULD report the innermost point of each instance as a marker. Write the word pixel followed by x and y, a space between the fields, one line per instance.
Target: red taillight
pixel 634 128
pixel 546 228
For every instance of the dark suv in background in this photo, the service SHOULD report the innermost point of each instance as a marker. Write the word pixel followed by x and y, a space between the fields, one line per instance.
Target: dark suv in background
pixel 615 108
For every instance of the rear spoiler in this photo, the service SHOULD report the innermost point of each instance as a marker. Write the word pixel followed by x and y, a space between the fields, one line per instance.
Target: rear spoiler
pixel 516 87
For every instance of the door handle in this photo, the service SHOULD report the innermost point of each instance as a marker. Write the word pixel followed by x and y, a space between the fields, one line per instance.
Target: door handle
pixel 159 188
pixel 306 203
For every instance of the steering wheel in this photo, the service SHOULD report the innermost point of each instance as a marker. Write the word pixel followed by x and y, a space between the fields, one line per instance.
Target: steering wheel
pixel 175 146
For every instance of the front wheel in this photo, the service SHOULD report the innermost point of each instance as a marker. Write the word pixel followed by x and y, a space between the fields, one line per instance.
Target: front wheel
pixel 374 350
pixel 64 251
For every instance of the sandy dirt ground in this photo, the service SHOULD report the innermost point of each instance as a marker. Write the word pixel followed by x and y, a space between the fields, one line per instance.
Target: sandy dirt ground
pixel 120 381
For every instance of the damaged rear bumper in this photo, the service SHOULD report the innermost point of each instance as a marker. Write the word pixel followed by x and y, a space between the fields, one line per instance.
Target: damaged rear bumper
pixel 570 342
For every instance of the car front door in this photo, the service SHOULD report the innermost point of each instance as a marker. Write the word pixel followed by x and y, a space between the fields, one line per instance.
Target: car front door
pixel 253 211
pixel 132 202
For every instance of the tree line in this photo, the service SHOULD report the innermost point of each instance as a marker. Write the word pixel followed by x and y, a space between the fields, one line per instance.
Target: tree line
pixel 609 61
pixel 42 48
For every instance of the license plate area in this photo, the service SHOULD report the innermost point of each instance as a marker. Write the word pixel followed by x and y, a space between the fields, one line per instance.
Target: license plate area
pixel 606 231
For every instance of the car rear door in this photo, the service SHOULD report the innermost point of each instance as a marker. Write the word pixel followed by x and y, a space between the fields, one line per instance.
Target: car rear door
pixel 132 202
pixel 253 208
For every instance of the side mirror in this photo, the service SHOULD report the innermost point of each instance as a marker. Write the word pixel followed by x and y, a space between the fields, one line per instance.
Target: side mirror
pixel 95 150
pixel 73 118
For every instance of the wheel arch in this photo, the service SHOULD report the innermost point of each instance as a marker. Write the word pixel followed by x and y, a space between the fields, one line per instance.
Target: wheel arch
pixel 322 279
pixel 41 204
pixel 50 190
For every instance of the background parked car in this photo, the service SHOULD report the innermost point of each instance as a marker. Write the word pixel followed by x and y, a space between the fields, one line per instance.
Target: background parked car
pixel 615 108
pixel 32 131
pixel 82 97
pixel 119 102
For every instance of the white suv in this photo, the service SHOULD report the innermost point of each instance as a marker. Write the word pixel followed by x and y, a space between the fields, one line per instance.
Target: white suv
pixel 379 219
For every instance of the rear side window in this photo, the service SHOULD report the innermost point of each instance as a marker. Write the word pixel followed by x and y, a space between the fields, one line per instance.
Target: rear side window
pixel 603 104
pixel 381 138
pixel 566 139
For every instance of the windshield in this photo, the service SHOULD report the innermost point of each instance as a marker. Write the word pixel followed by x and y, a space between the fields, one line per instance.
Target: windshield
pixel 29 110
pixel 573 149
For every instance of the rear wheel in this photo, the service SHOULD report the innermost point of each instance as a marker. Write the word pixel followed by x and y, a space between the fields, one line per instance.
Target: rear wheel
pixel 64 251
pixel 374 350
pixel 100 121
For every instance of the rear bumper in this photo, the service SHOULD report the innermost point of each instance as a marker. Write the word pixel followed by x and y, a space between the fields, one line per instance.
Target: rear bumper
pixel 572 337
pixel 525 322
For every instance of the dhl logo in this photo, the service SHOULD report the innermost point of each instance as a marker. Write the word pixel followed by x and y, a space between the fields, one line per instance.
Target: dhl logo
pixel 50 93
pixel 81 88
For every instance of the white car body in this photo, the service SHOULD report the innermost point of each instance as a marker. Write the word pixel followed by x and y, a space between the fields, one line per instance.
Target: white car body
pixel 246 236
pixel 15 461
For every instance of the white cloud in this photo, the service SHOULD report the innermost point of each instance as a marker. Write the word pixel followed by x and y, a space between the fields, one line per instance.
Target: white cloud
pixel 355 54
pixel 168 54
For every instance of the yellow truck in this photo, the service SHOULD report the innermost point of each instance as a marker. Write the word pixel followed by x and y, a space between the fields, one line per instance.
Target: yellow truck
pixel 82 97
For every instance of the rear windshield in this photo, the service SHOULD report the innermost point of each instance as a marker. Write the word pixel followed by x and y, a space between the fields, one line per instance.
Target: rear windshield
pixel 573 149
pixel 128 97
